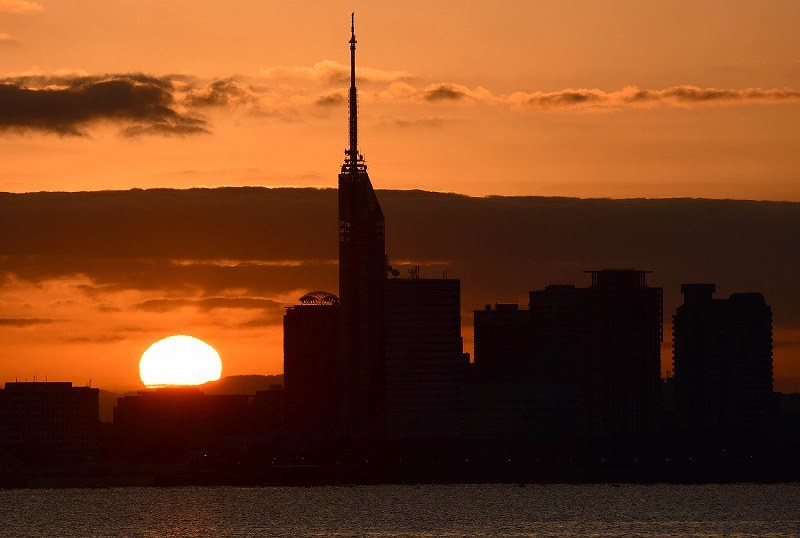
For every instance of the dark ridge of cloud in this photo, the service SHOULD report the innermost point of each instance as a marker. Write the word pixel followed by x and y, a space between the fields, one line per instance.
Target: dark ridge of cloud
pixel 683 95
pixel 67 105
pixel 206 304
pixel 274 318
pixel 500 247
pixel 568 98
pixel 95 339
pixel 70 79
pixel 25 322
pixel 330 72
pixel 167 129
pixel 694 95
pixel 162 275
pixel 330 100
pixel 444 92
pixel 431 121
pixel 220 93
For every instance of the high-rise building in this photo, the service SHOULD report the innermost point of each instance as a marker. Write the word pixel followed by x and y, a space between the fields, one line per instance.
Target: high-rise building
pixel 580 362
pixel 620 320
pixel 54 420
pixel 502 341
pixel 424 359
pixel 362 276
pixel 310 362
pixel 555 334
pixel 556 342
pixel 722 353
pixel 599 348
pixel 500 400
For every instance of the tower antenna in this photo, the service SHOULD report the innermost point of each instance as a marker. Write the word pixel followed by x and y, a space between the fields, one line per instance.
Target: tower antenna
pixel 352 152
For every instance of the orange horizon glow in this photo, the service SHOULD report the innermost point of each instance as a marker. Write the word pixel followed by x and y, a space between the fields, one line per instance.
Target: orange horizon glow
pixel 575 98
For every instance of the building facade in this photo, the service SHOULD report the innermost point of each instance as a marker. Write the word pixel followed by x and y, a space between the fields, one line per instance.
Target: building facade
pixel 722 352
pixel 168 424
pixel 599 349
pixel 502 344
pixel 621 325
pixel 310 361
pixel 362 277
pixel 425 364
pixel 55 420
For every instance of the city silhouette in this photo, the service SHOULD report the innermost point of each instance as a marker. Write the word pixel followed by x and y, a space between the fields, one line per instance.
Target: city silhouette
pixel 378 385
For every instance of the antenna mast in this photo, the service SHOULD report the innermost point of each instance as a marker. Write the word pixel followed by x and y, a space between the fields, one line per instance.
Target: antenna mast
pixel 352 151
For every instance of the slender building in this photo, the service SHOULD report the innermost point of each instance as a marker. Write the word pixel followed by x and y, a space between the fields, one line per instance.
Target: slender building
pixel 310 365
pixel 362 278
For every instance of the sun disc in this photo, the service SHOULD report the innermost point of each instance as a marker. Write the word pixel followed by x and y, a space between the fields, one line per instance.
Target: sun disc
pixel 179 360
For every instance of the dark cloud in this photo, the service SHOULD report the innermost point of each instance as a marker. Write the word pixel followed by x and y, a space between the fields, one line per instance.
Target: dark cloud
pixel 265 320
pixel 165 275
pixel 675 96
pixel 694 95
pixel 25 322
pixel 220 93
pixel 431 121
pixel 95 339
pixel 568 98
pixel 210 303
pixel 238 247
pixel 500 246
pixel 444 92
pixel 67 105
pixel 330 100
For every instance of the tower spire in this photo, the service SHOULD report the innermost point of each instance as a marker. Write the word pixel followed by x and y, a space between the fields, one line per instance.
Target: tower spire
pixel 352 152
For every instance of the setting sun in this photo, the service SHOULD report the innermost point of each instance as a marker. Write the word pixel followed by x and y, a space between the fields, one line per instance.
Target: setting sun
pixel 179 360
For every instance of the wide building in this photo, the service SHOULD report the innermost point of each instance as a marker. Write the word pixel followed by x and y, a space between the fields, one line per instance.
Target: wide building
pixel 722 352
pixel 50 421
pixel 173 423
pixel 362 277
pixel 598 351
pixel 425 363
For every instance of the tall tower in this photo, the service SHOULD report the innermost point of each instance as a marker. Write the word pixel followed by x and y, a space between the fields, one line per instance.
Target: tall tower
pixel 362 277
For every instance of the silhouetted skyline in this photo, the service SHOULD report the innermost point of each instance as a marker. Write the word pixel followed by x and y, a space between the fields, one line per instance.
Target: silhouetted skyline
pixel 377 382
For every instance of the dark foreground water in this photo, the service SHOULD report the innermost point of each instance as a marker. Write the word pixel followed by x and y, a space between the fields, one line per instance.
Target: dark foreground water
pixel 459 510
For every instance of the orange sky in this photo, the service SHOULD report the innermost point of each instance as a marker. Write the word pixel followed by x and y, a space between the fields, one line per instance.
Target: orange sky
pixel 509 130
pixel 581 98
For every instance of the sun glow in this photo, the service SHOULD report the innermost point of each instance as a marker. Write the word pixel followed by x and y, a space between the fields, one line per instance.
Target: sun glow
pixel 179 360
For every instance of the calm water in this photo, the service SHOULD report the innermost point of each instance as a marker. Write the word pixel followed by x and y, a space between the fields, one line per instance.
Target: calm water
pixel 462 510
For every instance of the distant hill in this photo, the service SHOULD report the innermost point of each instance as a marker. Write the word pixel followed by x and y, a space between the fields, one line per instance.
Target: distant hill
pixel 108 400
pixel 241 384
pixel 233 384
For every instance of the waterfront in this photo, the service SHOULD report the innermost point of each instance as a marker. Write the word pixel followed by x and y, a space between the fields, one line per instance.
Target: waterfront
pixel 386 511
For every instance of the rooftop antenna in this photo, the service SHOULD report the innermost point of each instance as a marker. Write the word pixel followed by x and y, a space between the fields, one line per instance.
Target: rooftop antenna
pixel 352 151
